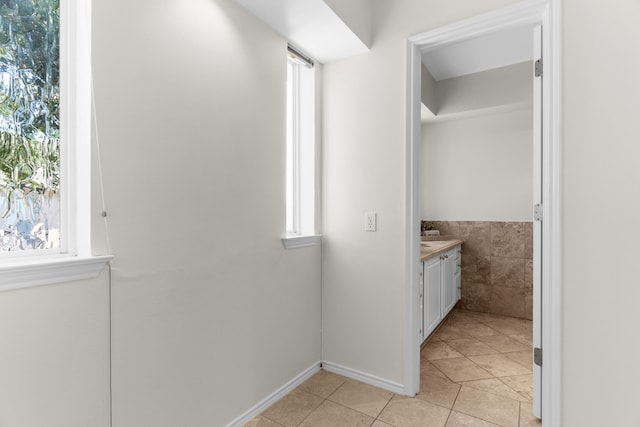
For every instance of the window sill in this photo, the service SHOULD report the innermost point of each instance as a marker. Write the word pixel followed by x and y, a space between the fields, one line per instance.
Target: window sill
pixel 37 271
pixel 294 242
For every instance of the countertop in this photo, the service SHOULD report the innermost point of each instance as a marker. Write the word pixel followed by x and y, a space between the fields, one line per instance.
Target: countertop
pixel 430 248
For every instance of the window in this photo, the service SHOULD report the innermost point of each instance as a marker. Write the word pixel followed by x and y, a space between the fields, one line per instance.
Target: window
pixel 45 142
pixel 29 125
pixel 300 187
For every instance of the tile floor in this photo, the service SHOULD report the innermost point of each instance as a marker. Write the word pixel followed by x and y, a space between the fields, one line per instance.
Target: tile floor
pixel 474 372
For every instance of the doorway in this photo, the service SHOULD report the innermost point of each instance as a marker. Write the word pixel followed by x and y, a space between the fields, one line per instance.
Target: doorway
pixel 546 297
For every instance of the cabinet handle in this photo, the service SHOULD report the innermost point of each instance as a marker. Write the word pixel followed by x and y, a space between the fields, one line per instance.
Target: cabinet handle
pixel 446 256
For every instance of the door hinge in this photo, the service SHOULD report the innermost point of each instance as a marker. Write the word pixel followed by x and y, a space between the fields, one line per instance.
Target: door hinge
pixel 537 356
pixel 537 212
pixel 538 67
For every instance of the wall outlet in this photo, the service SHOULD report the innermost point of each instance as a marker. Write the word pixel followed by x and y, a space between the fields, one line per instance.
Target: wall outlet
pixel 370 221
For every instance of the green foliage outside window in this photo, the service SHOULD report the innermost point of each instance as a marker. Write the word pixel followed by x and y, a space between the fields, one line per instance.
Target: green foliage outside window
pixel 29 124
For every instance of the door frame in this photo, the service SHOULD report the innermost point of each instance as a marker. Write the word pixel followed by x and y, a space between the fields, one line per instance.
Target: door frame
pixel 529 12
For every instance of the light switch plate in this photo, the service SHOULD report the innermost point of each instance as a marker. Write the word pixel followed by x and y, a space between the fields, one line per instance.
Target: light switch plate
pixel 370 221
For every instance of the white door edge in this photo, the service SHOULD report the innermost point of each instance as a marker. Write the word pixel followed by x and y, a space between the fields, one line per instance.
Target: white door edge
pixel 537 225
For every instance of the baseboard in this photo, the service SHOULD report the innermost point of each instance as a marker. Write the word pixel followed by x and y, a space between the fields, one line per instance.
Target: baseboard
pixel 363 377
pixel 275 396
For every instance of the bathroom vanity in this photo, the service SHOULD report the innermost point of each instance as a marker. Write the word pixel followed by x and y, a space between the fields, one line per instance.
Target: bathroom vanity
pixel 440 281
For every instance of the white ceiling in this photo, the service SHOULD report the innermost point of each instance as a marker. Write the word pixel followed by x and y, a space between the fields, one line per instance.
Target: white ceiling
pixel 483 53
pixel 310 25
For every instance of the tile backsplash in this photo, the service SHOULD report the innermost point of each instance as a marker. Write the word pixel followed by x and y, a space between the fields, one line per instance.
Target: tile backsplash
pixel 497 265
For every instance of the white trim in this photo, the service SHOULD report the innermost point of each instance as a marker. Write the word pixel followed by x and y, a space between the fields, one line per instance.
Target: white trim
pixel 293 127
pixel 39 271
pixel 67 131
pixel 82 113
pixel 391 386
pixel 75 129
pixel 412 336
pixel 275 396
pixel 301 149
pixel 527 12
pixel 294 242
pixel 552 243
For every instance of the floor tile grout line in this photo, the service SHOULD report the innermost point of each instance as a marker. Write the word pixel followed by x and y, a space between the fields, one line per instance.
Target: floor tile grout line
pixel 472 338
pixel 438 404
pixel 485 391
pixel 515 375
pixel 270 419
pixel 521 364
pixel 439 370
pixel 501 352
pixel 448 377
pixel 337 388
pixel 448 416
pixel 266 418
pixel 262 414
pixel 360 412
pixel 519 414
pixel 377 418
pixel 488 324
pixel 328 399
pixel 491 392
pixel 516 391
pixel 485 420
pixel 453 405
pixel 313 410
pixel 325 400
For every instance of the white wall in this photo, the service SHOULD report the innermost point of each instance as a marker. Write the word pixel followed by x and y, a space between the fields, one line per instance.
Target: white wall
pixel 428 88
pixel 510 85
pixel 600 190
pixel 210 313
pixel 54 357
pixel 362 276
pixel 478 168
pixel 477 153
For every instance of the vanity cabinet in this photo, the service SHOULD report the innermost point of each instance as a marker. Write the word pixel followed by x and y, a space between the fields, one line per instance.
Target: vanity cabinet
pixel 441 288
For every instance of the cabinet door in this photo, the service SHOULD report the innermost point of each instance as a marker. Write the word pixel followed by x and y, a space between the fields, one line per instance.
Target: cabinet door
pixel 457 276
pixel 422 310
pixel 432 298
pixel 448 281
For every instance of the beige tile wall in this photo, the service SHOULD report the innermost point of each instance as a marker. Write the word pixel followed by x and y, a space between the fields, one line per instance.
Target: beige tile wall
pixel 497 265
